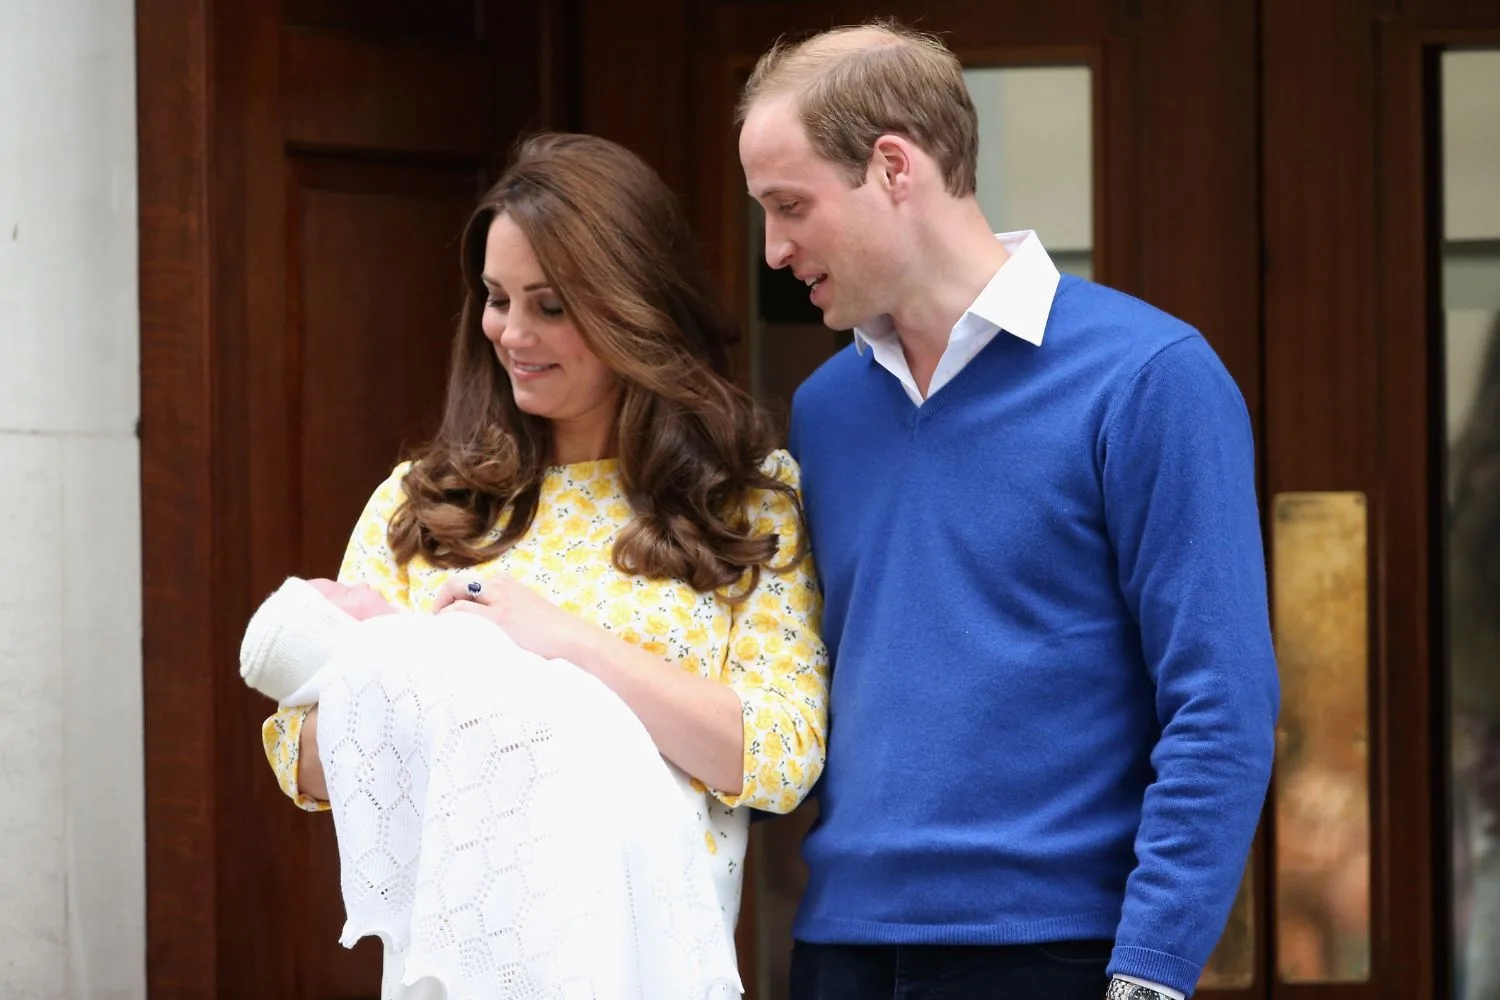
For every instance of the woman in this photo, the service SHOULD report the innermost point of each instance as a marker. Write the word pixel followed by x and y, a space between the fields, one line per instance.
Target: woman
pixel 618 498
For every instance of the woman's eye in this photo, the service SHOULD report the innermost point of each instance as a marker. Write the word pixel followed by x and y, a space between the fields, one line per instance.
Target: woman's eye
pixel 552 311
pixel 494 303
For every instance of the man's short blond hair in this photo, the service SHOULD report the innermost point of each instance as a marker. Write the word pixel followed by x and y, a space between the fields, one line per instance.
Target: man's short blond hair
pixel 852 85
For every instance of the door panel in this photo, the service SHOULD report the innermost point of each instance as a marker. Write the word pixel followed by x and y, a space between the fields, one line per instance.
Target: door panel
pixel 371 359
pixel 1353 349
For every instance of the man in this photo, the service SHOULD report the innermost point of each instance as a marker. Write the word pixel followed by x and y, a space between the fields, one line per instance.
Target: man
pixel 1032 505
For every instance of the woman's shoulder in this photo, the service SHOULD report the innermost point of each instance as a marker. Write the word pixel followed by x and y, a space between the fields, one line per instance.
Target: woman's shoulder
pixel 782 467
pixel 781 503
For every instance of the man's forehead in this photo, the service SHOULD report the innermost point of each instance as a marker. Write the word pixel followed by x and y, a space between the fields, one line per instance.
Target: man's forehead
pixel 775 151
pixel 772 119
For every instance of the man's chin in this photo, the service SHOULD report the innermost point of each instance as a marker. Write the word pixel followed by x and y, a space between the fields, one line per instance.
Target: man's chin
pixel 837 322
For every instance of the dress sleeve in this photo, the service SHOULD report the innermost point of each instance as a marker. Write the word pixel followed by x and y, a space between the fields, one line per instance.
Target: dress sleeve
pixel 368 560
pixel 281 735
pixel 778 665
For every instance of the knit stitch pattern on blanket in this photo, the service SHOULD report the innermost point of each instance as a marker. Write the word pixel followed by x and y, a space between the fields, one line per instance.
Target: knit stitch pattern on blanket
pixel 478 837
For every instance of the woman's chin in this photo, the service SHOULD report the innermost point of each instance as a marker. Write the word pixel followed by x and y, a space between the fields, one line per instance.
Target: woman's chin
pixel 533 403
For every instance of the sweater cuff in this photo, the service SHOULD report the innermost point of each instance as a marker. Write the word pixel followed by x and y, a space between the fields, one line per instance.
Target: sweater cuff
pixel 1155 967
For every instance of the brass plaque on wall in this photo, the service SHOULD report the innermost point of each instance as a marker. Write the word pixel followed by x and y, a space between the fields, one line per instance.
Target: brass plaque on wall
pixel 1320 616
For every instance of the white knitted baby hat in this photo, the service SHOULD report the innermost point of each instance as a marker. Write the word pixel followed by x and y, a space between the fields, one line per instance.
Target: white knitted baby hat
pixel 290 637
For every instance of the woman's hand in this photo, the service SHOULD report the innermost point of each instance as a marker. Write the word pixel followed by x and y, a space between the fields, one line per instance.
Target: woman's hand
pixel 695 722
pixel 532 622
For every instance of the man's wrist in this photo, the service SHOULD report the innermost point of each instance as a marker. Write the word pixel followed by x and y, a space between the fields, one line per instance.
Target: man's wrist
pixel 1131 988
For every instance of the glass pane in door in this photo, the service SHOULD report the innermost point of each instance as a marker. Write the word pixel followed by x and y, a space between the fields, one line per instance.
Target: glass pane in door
pixel 1470 263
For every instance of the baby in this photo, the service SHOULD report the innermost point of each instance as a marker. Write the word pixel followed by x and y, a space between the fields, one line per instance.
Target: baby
pixel 297 630
pixel 502 819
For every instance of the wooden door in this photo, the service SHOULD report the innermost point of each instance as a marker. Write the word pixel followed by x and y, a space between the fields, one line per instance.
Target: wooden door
pixel 1352 201
pixel 305 168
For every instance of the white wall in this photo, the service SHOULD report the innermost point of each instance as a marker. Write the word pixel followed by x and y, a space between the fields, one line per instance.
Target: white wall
pixel 72 883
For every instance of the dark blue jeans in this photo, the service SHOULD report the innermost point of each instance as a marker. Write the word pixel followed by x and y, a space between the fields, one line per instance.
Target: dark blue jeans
pixel 1065 970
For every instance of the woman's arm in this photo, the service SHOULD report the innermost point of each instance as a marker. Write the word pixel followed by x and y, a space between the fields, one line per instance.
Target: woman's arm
pixel 310 778
pixel 290 736
pixel 282 737
pixel 695 722
pixel 756 734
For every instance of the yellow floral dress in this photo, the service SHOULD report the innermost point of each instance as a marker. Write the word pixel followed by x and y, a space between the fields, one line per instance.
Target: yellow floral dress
pixel 766 649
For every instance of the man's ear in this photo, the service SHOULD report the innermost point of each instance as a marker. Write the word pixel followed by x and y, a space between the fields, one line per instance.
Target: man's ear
pixel 892 161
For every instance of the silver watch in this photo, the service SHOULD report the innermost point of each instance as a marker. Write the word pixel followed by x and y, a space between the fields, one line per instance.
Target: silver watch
pixel 1122 989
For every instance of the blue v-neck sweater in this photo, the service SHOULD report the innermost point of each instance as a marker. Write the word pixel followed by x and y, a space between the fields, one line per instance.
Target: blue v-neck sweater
pixel 1053 688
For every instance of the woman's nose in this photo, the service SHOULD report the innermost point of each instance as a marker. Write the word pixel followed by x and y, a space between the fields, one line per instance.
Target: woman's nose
pixel 516 334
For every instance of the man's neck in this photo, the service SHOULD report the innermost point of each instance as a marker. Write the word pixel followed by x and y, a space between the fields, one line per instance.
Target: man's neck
pixel 954 272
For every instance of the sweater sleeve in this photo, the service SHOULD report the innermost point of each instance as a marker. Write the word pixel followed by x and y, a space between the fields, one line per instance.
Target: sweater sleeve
pixel 1178 472
pixel 778 666
pixel 367 559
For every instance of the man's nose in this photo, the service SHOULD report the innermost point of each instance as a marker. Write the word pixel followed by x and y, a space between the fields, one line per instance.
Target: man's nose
pixel 778 247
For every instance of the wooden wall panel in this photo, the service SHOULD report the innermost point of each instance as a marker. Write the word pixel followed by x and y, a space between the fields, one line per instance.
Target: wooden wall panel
pixel 453 19
pixel 1193 157
pixel 376 259
pixel 1320 363
pixel 356 92
pixel 634 63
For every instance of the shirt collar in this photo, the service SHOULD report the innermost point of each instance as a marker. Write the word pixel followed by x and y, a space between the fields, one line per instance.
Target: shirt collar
pixel 1018 299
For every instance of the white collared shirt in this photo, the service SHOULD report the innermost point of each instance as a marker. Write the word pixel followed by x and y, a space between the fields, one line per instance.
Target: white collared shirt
pixel 1017 299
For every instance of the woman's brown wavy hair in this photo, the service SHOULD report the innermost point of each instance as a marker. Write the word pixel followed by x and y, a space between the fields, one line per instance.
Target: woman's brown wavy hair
pixel 612 240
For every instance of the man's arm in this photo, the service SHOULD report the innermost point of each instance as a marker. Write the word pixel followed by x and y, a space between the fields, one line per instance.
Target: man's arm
pixel 1179 485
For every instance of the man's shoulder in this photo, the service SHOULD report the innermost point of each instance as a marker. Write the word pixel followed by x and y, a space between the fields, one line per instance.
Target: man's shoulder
pixel 1116 335
pixel 1113 319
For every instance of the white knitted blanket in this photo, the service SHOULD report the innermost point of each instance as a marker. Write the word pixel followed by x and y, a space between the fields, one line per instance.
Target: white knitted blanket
pixel 507 827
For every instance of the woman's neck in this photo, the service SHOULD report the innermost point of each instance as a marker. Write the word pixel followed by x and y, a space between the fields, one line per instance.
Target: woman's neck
pixel 582 441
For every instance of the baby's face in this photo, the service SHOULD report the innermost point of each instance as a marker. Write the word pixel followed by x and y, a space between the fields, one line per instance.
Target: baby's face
pixel 359 602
